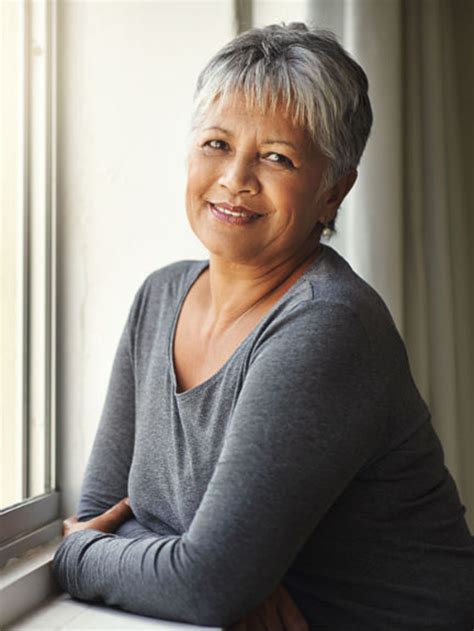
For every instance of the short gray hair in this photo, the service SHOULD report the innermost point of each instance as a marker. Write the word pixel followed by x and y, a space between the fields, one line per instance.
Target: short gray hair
pixel 308 72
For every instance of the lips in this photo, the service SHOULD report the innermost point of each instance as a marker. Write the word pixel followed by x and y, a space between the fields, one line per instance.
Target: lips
pixel 236 209
pixel 231 217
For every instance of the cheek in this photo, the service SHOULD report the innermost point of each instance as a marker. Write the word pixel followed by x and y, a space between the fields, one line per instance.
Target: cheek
pixel 297 209
pixel 288 199
pixel 197 185
pixel 200 173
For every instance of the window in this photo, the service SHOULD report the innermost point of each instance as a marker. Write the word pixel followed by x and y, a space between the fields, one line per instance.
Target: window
pixel 28 499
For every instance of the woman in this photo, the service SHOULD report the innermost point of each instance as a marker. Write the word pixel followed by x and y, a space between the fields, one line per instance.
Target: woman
pixel 280 464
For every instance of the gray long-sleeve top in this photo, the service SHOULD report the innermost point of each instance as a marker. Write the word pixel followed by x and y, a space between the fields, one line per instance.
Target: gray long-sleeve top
pixel 308 459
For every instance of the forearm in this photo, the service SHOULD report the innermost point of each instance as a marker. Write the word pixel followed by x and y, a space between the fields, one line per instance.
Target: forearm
pixel 95 566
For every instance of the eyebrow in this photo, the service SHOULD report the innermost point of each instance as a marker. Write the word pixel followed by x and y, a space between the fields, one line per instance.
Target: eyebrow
pixel 269 141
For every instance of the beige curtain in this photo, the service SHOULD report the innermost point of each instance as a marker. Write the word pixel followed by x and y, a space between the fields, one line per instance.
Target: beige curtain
pixel 408 225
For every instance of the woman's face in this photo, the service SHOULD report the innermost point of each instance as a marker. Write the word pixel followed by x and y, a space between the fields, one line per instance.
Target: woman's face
pixel 261 161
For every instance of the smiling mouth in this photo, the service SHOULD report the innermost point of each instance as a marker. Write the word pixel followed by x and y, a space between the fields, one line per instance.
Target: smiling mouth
pixel 231 217
pixel 237 212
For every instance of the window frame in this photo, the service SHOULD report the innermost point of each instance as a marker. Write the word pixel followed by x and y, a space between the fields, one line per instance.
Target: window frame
pixel 36 519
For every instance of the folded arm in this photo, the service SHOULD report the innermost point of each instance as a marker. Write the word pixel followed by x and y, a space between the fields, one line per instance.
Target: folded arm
pixel 305 422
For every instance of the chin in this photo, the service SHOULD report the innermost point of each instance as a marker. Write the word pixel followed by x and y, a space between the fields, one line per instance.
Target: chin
pixel 234 250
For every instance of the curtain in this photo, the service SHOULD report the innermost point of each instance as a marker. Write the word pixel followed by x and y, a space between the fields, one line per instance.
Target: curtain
pixel 408 224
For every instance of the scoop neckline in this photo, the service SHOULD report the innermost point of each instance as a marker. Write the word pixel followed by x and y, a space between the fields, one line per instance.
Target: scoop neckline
pixel 201 266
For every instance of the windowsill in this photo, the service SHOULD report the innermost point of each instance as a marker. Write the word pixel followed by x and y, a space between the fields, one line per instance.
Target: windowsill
pixel 26 581
pixel 62 613
pixel 30 599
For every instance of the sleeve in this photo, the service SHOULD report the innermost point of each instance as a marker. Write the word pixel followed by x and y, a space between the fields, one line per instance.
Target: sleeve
pixel 304 423
pixel 132 528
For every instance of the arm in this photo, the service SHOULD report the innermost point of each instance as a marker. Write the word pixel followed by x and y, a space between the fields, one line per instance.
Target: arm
pixel 133 528
pixel 304 423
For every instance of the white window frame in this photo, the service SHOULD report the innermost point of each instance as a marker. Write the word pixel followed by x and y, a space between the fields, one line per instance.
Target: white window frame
pixel 35 522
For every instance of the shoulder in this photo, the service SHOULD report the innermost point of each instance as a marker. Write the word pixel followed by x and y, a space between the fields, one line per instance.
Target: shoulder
pixel 335 319
pixel 335 282
pixel 172 273
pixel 350 299
pixel 163 286
pixel 170 277
pixel 316 335
pixel 331 295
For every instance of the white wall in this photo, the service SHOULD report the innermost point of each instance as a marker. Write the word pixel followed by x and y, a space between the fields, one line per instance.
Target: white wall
pixel 126 76
pixel 278 11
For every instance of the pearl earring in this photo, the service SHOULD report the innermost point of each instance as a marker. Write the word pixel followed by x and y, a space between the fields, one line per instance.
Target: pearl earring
pixel 326 232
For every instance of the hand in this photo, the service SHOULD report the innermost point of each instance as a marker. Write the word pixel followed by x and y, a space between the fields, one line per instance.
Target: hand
pixel 107 522
pixel 277 613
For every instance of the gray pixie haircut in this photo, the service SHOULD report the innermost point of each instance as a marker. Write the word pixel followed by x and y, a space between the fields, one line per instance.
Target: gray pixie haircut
pixel 305 71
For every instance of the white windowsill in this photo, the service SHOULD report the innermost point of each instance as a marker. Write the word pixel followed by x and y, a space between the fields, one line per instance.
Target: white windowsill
pixel 62 613
pixel 30 599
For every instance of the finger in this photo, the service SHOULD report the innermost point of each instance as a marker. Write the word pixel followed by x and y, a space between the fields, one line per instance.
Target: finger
pixel 270 616
pixel 71 525
pixel 292 616
pixel 68 523
pixel 289 612
pixel 255 621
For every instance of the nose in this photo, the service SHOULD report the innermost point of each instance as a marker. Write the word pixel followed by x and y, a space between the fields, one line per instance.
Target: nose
pixel 238 176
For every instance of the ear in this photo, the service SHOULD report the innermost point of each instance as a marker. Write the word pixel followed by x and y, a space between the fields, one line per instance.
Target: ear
pixel 334 196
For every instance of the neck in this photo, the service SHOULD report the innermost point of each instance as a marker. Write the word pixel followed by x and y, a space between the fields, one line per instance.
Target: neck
pixel 235 289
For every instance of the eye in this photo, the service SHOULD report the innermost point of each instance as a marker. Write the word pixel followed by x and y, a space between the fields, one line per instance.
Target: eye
pixel 281 159
pixel 216 142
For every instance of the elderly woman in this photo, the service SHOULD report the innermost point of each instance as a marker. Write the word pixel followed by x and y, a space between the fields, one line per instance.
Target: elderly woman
pixel 278 464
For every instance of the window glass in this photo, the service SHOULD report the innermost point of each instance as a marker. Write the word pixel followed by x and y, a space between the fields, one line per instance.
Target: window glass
pixel 26 252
